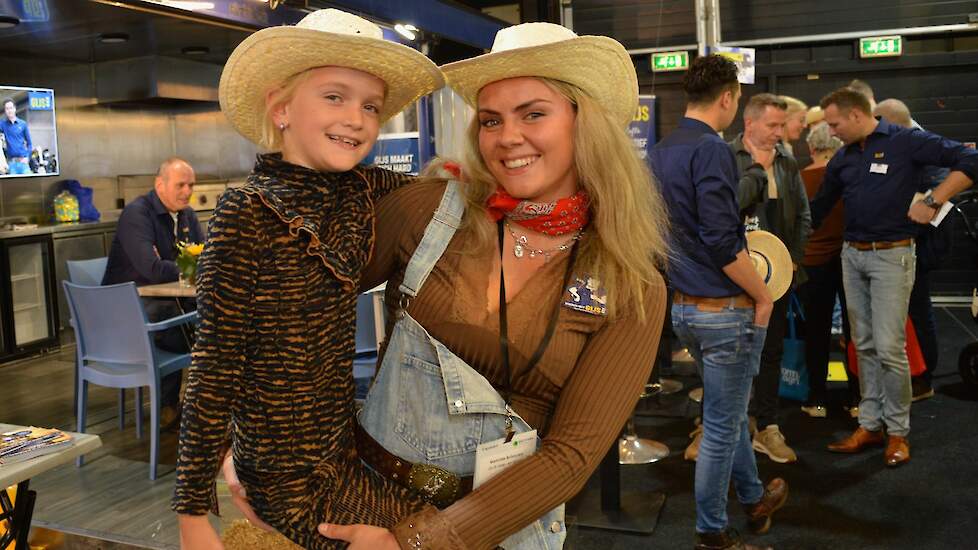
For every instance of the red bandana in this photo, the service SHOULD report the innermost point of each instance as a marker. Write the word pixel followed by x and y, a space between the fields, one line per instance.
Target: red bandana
pixel 556 218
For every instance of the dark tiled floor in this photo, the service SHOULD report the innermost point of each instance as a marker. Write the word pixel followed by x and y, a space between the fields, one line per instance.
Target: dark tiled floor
pixel 837 501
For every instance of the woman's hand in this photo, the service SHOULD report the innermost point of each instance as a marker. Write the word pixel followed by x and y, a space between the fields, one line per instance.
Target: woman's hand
pixel 238 496
pixel 196 533
pixel 360 537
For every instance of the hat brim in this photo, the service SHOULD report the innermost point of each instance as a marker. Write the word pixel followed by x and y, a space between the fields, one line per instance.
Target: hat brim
pixel 598 65
pixel 772 260
pixel 269 56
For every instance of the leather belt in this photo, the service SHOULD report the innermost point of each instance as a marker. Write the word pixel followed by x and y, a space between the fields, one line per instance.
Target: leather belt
pixel 705 303
pixel 880 245
pixel 436 485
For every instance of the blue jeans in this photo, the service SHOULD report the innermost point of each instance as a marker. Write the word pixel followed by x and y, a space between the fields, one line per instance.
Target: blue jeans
pixel 878 285
pixel 18 167
pixel 727 346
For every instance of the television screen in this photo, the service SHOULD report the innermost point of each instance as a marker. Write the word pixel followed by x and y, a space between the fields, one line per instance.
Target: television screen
pixel 28 133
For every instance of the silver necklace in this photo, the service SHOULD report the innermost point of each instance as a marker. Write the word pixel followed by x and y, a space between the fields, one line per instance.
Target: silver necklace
pixel 523 247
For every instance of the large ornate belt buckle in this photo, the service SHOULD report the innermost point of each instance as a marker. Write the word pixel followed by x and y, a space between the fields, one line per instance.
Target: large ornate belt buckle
pixel 436 485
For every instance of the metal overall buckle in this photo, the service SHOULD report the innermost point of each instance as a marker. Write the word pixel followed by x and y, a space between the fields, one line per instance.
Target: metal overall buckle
pixel 436 485
pixel 403 302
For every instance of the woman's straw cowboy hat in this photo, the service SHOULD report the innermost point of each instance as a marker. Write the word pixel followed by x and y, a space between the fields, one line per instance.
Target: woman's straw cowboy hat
pixel 323 38
pixel 598 65
pixel 772 261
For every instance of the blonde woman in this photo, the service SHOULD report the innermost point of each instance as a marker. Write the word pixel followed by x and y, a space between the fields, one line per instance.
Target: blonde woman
pixel 794 124
pixel 529 300
pixel 279 279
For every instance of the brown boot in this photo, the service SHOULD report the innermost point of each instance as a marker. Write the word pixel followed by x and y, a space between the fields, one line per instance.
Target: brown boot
pixel 759 514
pixel 857 441
pixel 897 451
pixel 724 540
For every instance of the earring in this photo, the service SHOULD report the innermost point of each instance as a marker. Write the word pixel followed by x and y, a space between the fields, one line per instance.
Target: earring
pixel 282 126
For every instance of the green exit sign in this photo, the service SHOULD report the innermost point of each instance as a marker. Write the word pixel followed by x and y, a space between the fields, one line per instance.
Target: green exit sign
pixel 670 61
pixel 880 46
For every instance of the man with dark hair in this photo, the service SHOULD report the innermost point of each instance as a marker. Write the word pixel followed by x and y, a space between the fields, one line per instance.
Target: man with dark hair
pixel 876 174
pixel 772 194
pixel 144 251
pixel 17 139
pixel 721 305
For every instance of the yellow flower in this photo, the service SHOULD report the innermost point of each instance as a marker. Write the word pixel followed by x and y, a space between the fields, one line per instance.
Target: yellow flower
pixel 195 249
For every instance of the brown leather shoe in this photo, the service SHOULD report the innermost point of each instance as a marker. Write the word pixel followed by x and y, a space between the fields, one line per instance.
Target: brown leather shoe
pixel 759 514
pixel 897 451
pixel 724 540
pixel 857 441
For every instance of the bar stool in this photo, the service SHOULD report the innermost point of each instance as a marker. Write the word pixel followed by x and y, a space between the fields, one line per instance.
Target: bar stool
pixel 633 449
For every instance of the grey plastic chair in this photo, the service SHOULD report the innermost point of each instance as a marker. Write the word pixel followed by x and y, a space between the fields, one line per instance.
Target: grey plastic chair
pixel 116 350
pixel 90 273
pixel 365 360
pixel 87 272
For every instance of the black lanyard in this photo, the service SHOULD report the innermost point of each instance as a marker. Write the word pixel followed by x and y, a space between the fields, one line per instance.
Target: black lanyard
pixel 503 331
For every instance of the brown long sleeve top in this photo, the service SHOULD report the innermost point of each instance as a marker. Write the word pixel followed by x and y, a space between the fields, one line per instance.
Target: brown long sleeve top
pixel 578 396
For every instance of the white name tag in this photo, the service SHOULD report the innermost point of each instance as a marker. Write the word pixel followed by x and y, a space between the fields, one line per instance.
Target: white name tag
pixel 495 456
pixel 878 168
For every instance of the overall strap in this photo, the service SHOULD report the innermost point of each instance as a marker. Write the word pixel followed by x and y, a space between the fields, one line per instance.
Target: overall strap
pixel 436 237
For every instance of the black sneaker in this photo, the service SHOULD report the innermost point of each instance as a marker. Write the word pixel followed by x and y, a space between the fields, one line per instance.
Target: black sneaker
pixel 921 389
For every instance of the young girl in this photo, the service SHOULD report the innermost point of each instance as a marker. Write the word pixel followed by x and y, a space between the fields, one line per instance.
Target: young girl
pixel 279 279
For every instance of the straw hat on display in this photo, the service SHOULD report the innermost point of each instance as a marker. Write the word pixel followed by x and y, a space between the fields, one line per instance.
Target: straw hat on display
pixel 772 261
pixel 598 65
pixel 323 38
pixel 814 115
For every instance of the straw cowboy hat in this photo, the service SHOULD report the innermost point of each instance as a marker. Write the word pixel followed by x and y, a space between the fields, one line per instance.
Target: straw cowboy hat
pixel 772 261
pixel 598 65
pixel 323 38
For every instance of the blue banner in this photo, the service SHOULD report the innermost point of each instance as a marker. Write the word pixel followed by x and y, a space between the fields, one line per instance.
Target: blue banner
pixel 397 152
pixel 642 127
pixel 40 101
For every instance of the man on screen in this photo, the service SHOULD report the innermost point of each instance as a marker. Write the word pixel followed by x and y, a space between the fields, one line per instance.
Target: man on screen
pixel 18 139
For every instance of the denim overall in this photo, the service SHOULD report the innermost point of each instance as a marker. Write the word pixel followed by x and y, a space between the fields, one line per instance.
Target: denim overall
pixel 427 406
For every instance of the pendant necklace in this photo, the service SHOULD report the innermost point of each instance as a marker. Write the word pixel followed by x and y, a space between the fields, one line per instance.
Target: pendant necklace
pixel 522 246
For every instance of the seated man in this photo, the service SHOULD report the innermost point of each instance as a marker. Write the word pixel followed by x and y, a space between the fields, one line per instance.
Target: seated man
pixel 144 251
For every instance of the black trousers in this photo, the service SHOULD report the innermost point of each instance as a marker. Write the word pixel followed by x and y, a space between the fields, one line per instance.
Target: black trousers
pixel 764 403
pixel 818 296
pixel 175 340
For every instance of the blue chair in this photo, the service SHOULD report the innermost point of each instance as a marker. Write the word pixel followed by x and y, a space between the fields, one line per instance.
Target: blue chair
pixel 365 360
pixel 90 273
pixel 116 350
pixel 87 272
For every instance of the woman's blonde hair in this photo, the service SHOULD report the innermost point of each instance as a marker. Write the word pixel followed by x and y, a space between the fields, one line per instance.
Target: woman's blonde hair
pixel 794 105
pixel 271 135
pixel 625 242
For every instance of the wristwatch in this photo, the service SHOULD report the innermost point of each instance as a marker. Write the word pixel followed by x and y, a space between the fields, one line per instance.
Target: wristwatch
pixel 929 201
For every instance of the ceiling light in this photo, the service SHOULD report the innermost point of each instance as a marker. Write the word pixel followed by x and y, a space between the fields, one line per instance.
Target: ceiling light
pixel 7 22
pixel 407 31
pixel 113 37
pixel 196 50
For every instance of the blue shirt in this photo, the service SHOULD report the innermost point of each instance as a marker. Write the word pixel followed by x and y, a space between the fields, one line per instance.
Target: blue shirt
pixel 697 173
pixel 876 203
pixel 144 249
pixel 18 138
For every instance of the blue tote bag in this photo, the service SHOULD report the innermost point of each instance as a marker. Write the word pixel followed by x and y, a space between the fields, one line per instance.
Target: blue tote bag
pixel 794 374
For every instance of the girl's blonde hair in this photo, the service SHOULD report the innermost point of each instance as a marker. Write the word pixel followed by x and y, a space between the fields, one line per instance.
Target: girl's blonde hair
pixel 271 135
pixel 625 243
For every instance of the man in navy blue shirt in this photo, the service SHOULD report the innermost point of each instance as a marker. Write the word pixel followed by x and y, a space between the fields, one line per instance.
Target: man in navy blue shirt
pixel 721 307
pixel 876 174
pixel 17 138
pixel 144 251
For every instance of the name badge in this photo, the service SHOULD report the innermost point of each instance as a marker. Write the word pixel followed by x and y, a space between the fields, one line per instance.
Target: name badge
pixel 495 456
pixel 878 168
pixel 586 295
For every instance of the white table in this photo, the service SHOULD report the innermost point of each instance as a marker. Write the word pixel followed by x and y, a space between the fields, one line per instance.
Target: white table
pixel 20 474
